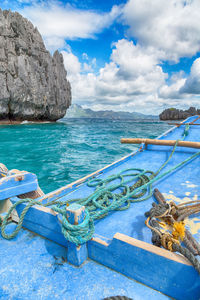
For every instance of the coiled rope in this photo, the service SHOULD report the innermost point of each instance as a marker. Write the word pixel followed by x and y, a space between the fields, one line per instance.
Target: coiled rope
pixel 167 214
pixel 102 201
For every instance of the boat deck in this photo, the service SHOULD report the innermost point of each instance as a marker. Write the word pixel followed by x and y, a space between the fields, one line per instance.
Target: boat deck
pixel 33 268
pixel 122 241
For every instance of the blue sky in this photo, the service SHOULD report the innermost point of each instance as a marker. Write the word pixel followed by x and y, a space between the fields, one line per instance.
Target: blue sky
pixel 135 55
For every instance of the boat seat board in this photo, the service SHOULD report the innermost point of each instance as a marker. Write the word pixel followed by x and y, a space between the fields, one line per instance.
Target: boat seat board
pixel 17 184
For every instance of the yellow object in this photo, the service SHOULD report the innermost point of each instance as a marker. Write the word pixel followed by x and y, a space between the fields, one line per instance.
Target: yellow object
pixel 178 230
pixel 167 241
pixel 170 246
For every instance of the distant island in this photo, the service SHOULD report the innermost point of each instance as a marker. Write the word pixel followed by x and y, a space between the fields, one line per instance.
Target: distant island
pixel 178 114
pixel 77 111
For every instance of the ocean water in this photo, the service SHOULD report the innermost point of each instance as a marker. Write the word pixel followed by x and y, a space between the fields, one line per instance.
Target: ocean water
pixel 59 153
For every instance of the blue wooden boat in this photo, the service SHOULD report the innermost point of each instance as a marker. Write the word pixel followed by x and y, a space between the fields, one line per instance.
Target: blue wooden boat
pixel 119 259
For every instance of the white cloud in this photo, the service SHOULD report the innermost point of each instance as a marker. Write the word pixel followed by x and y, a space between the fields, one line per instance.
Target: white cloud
pixel 74 67
pixel 58 22
pixel 72 64
pixel 133 60
pixel 170 27
pixel 172 91
pixel 133 80
pixel 53 43
pixel 192 84
pixel 132 70
pixel 185 88
pixel 87 67
pixel 121 83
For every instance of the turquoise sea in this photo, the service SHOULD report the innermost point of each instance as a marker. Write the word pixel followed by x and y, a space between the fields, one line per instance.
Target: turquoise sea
pixel 59 153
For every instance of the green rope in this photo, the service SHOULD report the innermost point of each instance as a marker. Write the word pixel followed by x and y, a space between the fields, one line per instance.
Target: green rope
pixel 186 130
pixel 108 196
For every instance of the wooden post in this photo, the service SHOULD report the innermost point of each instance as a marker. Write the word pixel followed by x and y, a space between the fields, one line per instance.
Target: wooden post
pixel 76 255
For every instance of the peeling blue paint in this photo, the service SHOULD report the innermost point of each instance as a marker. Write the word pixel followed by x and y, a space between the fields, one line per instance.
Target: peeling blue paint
pixel 35 268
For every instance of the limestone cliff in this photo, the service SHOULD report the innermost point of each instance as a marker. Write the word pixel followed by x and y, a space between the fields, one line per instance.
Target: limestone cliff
pixel 176 114
pixel 33 84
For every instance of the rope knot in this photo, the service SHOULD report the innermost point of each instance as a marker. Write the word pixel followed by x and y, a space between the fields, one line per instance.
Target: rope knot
pixel 173 208
pixel 167 241
pixel 80 233
pixel 157 210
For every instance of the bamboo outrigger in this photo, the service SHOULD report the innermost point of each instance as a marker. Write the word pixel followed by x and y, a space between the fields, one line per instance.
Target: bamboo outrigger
pixel 187 144
pixel 179 124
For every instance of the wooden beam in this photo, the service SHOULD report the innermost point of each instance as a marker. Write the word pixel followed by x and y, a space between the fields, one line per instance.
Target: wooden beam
pixel 160 142
pixel 153 249
pixel 45 222
pixel 17 184
pixel 165 271
pixel 178 124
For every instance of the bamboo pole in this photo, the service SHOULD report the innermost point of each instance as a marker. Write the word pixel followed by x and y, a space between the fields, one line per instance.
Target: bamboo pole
pixel 191 123
pixel 160 142
pixel 179 124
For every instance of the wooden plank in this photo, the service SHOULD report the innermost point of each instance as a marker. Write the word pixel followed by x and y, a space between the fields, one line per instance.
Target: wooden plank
pixel 45 219
pixel 17 184
pixel 160 142
pixel 151 248
pixel 43 222
pixel 153 267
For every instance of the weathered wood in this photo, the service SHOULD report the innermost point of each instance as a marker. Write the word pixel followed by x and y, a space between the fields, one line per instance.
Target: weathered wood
pixel 45 222
pixel 179 124
pixel 182 123
pixel 158 268
pixel 4 207
pixel 160 142
pixel 159 196
pixel 17 184
pixel 76 255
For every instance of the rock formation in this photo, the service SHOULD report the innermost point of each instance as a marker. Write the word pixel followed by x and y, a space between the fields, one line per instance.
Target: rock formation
pixel 33 84
pixel 176 114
